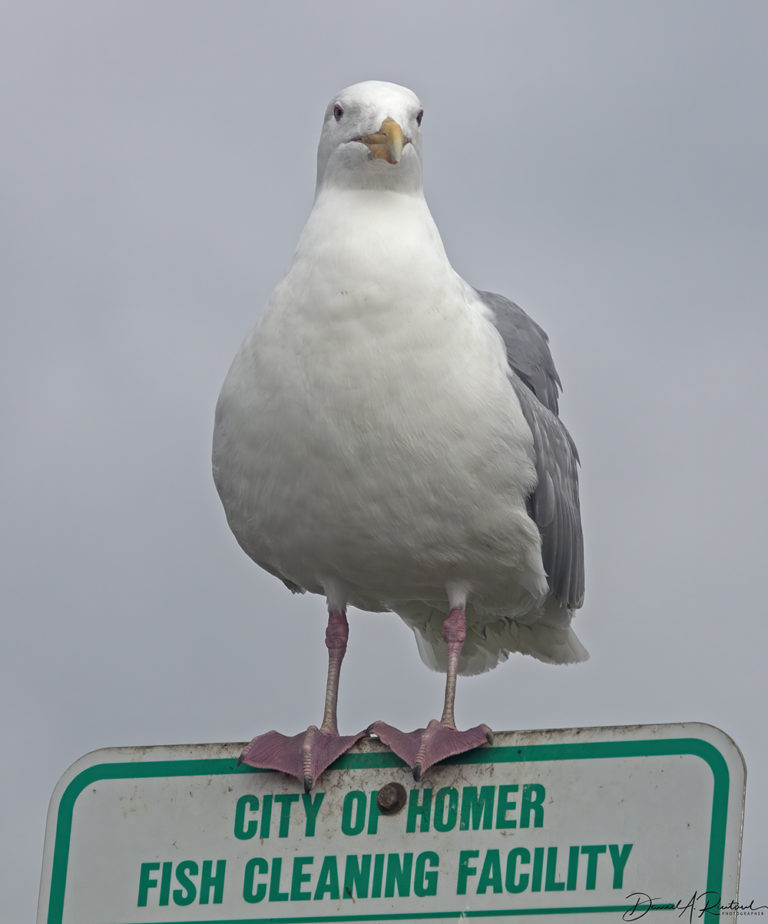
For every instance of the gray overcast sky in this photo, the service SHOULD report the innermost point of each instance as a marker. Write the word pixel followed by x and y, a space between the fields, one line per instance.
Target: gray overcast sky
pixel 601 163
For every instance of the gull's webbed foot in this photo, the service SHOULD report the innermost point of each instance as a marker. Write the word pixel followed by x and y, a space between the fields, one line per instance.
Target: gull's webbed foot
pixel 304 756
pixel 422 748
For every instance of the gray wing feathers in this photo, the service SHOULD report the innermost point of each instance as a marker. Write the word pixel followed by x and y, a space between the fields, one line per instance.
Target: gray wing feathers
pixel 527 348
pixel 555 501
pixel 554 504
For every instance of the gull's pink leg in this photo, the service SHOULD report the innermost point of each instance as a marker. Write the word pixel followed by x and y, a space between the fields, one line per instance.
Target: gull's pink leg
pixel 336 638
pixel 454 633
pixel 422 748
pixel 307 754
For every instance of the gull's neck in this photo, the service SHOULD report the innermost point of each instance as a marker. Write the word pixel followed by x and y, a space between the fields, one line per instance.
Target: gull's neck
pixel 373 243
pixel 382 219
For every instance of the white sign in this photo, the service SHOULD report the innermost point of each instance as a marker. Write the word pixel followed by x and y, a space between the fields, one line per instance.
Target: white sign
pixel 579 825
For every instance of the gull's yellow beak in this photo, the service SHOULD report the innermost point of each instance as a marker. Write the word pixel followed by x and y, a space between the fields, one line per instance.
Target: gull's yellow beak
pixel 387 143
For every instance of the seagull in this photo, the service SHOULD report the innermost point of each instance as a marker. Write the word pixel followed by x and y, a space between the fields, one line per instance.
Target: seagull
pixel 388 437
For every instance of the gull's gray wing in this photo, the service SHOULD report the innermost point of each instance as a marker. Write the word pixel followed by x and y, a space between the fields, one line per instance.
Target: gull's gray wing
pixel 554 504
pixel 527 348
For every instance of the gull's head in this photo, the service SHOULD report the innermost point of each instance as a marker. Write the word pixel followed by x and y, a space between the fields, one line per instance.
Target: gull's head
pixel 371 139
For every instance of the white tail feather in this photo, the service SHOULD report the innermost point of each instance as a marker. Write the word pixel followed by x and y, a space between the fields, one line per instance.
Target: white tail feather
pixel 548 638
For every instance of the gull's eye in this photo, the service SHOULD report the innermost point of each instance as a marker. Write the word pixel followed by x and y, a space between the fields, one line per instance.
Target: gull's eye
pixel 338 112
pixel 420 116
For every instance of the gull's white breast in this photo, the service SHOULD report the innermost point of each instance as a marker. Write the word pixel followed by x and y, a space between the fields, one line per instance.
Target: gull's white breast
pixel 367 433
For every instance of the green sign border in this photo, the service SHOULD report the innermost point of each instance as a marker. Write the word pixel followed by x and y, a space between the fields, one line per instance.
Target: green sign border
pixel 590 750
